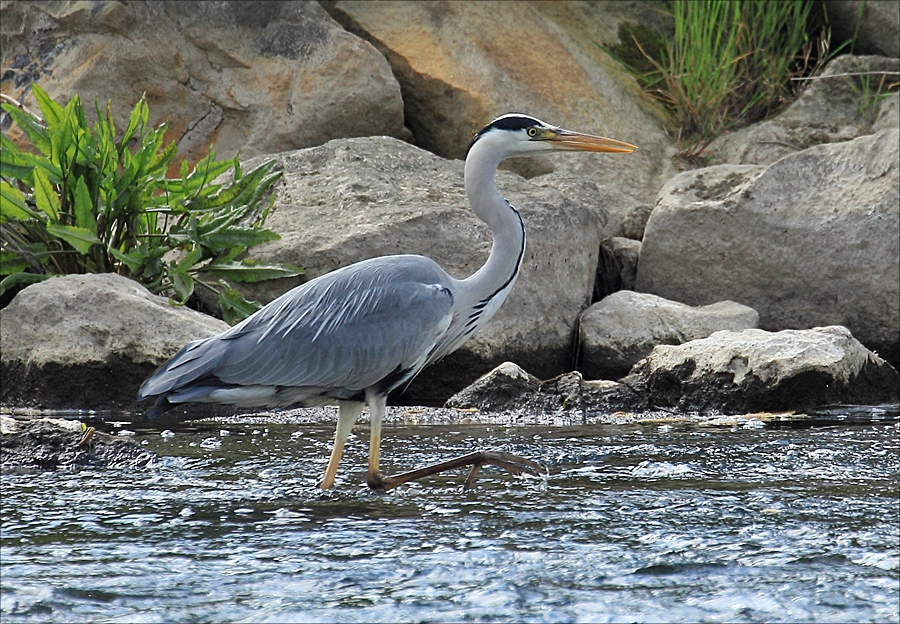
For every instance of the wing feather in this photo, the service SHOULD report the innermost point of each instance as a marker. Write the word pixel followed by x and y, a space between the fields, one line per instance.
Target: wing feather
pixel 348 329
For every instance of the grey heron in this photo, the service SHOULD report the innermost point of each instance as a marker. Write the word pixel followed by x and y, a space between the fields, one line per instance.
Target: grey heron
pixel 355 334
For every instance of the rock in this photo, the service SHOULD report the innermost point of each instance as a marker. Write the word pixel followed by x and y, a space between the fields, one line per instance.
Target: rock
pixel 514 391
pixel 47 443
pixel 258 77
pixel 353 199
pixel 495 389
pixel 460 64
pixel 88 341
pixel 812 240
pixel 634 220
pixel 755 370
pixel 831 110
pixel 623 328
pixel 616 266
pixel 873 25
pixel 888 114
pixel 572 392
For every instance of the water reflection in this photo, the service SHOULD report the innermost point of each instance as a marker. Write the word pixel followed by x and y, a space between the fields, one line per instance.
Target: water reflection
pixel 637 522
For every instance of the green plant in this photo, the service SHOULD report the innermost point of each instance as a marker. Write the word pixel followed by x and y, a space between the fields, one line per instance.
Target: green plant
pixel 87 202
pixel 872 88
pixel 728 63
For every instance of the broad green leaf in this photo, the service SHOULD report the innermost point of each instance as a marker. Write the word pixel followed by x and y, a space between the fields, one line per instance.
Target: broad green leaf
pixel 11 262
pixel 21 278
pixel 79 238
pixel 15 162
pixel 84 208
pixel 16 171
pixel 53 112
pixel 12 205
pixel 192 258
pixel 138 119
pixel 163 158
pixel 181 282
pixel 134 260
pixel 238 236
pixel 45 195
pixel 32 127
pixel 64 135
pixel 235 308
pixel 247 272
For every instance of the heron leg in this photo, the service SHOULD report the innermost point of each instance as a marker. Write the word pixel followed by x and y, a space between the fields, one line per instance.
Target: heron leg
pixel 477 459
pixel 377 405
pixel 348 412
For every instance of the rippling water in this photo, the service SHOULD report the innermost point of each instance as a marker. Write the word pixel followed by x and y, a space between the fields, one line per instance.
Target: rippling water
pixel 649 523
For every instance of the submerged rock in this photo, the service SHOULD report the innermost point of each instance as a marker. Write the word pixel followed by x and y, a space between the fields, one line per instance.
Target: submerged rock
pixel 48 443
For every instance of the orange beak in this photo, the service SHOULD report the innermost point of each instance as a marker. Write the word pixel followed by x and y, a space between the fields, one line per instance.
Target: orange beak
pixel 575 141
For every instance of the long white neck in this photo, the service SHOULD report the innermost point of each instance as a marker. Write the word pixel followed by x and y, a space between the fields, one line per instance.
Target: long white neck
pixel 492 282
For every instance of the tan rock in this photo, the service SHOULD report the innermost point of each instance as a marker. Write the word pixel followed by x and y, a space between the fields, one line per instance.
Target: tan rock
pixel 259 77
pixel 462 63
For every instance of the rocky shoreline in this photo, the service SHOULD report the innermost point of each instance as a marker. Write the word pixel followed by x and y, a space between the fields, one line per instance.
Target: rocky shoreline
pixel 766 281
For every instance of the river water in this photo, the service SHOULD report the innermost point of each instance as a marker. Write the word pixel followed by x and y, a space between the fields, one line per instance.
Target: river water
pixel 640 522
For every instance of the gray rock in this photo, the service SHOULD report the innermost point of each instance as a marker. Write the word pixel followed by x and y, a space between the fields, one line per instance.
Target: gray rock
pixel 616 266
pixel 727 372
pixel 622 329
pixel 873 24
pixel 812 240
pixel 495 389
pixel 460 64
pixel 88 341
pixel 353 199
pixel 48 443
pixel 888 114
pixel 258 77
pixel 756 370
pixel 513 391
pixel 634 220
pixel 836 107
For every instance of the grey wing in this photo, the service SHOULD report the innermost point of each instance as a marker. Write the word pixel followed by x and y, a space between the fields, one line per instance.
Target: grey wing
pixel 371 323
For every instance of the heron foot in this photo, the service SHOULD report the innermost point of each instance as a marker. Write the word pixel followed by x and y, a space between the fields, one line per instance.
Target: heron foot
pixel 512 463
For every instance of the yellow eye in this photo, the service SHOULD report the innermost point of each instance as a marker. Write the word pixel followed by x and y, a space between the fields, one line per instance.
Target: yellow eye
pixel 532 131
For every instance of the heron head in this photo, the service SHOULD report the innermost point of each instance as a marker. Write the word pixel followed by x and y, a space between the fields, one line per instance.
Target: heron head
pixel 520 135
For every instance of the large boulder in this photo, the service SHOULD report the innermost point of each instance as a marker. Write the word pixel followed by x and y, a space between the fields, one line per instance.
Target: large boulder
pixel 812 240
pixel 88 341
pixel 460 64
pixel 872 25
pixel 258 77
pixel 755 370
pixel 353 199
pixel 843 103
pixel 623 328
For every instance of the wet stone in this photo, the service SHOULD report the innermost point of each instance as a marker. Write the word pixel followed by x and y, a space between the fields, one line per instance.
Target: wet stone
pixel 49 443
